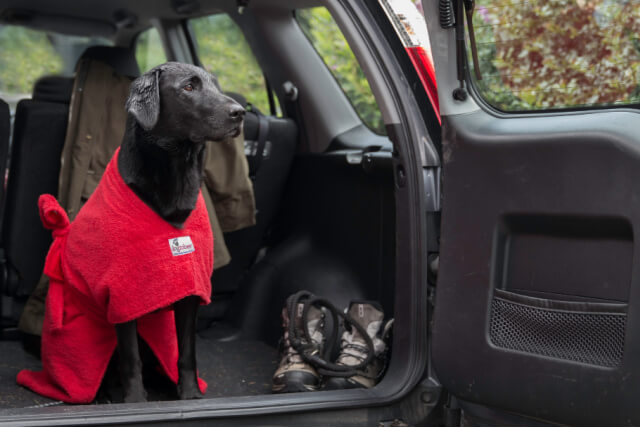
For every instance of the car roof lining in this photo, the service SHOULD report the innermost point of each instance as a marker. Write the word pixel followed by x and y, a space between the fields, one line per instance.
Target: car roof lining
pixel 83 17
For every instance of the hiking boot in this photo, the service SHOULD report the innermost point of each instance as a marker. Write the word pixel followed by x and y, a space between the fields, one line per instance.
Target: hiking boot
pixel 354 349
pixel 294 373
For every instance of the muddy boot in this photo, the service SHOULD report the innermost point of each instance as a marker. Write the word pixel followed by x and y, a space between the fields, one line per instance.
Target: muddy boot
pixel 294 373
pixel 354 349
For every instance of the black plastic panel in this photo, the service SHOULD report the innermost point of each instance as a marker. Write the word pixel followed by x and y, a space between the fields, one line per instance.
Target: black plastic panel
pixel 335 238
pixel 529 248
pixel 538 295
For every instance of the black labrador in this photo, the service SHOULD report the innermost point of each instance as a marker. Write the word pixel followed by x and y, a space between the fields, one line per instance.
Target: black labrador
pixel 172 110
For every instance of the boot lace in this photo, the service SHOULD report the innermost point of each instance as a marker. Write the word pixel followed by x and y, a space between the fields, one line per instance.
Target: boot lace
pixel 302 343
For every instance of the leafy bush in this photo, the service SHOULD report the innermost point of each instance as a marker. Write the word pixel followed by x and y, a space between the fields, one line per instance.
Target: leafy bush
pixel 542 54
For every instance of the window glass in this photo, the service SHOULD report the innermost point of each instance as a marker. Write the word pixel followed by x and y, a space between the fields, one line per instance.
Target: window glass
pixel 149 50
pixel 27 55
pixel 546 54
pixel 327 39
pixel 223 51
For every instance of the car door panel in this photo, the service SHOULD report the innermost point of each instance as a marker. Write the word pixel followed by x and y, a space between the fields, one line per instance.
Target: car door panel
pixel 538 290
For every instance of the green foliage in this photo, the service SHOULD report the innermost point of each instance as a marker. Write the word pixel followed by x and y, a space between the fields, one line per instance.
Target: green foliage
pixel 149 50
pixel 544 54
pixel 26 56
pixel 333 48
pixel 224 52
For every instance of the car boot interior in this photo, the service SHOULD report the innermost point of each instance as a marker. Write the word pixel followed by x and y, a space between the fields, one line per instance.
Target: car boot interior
pixel 329 210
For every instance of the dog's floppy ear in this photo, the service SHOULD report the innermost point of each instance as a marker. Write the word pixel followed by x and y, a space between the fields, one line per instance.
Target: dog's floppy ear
pixel 144 99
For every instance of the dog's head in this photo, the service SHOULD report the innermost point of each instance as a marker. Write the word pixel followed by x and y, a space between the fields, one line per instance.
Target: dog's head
pixel 185 102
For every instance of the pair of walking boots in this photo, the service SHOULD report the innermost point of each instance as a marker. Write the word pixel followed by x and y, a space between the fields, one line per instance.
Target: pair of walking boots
pixel 306 346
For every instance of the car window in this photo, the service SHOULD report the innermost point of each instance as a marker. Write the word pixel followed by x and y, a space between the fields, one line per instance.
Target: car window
pixel 329 42
pixel 540 54
pixel 223 50
pixel 149 50
pixel 28 55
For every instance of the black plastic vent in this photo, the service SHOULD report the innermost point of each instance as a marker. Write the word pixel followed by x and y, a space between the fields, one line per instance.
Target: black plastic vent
pixel 591 333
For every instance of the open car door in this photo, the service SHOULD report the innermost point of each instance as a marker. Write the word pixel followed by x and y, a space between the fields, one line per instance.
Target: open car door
pixel 537 308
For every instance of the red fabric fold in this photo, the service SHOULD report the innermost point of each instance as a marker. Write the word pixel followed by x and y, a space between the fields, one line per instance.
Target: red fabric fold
pixel 54 218
pixel 118 261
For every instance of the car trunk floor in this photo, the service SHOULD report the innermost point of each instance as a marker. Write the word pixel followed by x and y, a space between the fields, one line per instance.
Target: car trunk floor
pixel 232 368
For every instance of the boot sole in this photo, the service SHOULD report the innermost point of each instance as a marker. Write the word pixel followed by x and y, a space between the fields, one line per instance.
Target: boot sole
pixel 340 383
pixel 295 382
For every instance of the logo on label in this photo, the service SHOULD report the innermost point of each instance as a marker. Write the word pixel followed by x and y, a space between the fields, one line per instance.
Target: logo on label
pixel 181 245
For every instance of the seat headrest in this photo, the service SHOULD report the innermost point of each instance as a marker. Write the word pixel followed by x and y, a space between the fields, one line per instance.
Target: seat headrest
pixel 53 89
pixel 121 59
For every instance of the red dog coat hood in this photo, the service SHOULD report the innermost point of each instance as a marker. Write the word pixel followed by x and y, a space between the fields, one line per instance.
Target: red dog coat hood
pixel 118 261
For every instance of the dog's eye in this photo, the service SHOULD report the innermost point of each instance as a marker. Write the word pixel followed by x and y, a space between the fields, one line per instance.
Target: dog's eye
pixel 188 87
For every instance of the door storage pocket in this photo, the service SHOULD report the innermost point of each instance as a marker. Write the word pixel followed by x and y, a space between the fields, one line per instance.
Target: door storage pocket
pixel 586 332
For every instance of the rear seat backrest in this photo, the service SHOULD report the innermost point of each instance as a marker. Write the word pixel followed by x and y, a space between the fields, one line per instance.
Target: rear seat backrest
pixel 39 132
pixel 53 89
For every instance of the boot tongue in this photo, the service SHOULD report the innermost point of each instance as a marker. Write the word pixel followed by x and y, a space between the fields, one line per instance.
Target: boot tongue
pixel 354 348
pixel 314 322
pixel 368 316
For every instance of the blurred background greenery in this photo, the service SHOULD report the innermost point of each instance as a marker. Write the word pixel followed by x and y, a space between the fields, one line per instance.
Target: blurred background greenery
pixel 26 55
pixel 149 50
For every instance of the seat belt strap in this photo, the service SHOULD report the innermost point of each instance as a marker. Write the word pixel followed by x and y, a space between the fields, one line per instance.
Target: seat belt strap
pixel 256 159
pixel 272 102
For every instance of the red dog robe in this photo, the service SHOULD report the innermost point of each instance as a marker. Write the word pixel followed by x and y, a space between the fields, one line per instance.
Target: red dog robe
pixel 116 262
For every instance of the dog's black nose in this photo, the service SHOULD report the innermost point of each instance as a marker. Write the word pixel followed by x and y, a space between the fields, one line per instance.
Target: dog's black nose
pixel 236 112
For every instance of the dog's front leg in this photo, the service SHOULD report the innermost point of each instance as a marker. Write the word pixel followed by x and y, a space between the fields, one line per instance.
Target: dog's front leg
pixel 130 363
pixel 185 312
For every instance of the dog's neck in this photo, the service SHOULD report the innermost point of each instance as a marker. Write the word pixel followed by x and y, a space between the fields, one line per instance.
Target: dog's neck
pixel 166 173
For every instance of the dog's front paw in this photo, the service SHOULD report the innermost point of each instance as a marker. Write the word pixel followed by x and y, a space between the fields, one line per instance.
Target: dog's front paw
pixel 188 389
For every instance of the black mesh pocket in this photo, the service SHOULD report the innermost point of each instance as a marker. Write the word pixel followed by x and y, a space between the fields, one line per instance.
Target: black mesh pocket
pixel 590 333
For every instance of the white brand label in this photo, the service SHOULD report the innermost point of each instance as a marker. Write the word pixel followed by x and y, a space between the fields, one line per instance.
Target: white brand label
pixel 181 245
